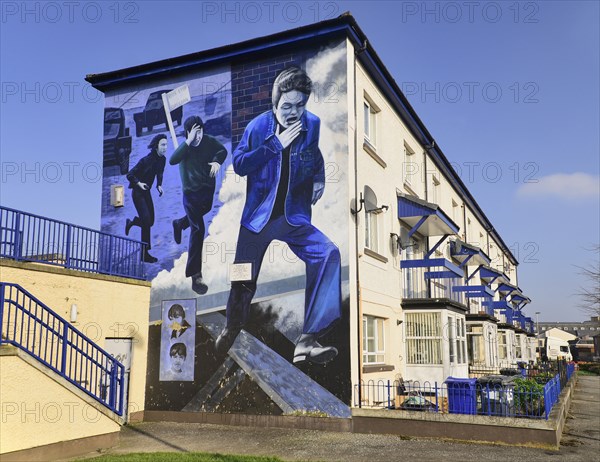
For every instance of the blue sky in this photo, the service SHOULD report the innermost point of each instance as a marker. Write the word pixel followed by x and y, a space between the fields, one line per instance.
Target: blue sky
pixel 510 91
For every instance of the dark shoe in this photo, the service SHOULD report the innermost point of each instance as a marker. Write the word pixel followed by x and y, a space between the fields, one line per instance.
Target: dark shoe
pixel 128 225
pixel 149 258
pixel 198 285
pixel 308 349
pixel 177 228
pixel 226 339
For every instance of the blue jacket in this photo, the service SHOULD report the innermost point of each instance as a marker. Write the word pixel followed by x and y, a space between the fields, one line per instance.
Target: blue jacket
pixel 258 157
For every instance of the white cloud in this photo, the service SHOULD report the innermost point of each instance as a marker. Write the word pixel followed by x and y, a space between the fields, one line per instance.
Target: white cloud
pixel 564 186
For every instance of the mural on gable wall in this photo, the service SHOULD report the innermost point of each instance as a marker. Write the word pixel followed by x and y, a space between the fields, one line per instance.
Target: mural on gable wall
pixel 245 212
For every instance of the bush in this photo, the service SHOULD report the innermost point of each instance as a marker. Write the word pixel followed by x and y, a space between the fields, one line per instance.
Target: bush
pixel 593 368
pixel 529 397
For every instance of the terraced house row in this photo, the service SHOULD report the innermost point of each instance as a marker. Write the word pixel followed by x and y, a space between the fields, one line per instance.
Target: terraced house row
pixel 302 231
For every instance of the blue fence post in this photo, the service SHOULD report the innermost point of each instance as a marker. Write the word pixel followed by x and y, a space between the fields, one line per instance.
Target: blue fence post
pixel 17 238
pixel 68 250
pixel 2 286
pixel 110 254
pixel 112 387
pixel 121 408
pixel 65 339
pixel 389 389
pixel 437 408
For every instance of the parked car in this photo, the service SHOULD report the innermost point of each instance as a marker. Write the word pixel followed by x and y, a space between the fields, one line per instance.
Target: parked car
pixel 154 114
pixel 117 142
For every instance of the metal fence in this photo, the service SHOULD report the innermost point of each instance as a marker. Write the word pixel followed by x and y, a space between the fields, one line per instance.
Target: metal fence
pixel 494 395
pixel 28 324
pixel 419 284
pixel 28 237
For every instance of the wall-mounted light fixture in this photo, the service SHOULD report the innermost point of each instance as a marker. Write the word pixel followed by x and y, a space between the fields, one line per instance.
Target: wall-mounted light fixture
pixel 117 195
pixel 398 322
pixel 73 313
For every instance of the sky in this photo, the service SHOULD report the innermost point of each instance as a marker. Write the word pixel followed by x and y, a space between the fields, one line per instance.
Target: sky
pixel 508 89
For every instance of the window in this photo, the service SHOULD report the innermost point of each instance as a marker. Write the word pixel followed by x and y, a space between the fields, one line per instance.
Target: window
pixel 434 196
pixel 452 339
pixel 372 211
pixel 476 344
pixel 502 348
pixel 423 338
pixel 371 231
pixel 461 341
pixel 373 340
pixel 518 348
pixel 454 211
pixel 370 117
pixel 410 167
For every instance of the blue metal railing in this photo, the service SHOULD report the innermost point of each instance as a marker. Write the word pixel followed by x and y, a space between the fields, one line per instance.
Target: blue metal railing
pixel 28 237
pixel 28 324
pixel 468 397
pixel 417 285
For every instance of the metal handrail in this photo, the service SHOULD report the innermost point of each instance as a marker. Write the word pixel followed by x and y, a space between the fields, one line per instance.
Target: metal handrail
pixel 28 237
pixel 28 324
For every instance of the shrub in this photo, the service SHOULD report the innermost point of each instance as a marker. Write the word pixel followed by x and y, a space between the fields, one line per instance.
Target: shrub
pixel 594 368
pixel 529 397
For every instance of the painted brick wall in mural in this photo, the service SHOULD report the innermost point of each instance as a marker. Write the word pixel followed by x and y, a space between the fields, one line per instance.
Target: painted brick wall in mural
pixel 246 214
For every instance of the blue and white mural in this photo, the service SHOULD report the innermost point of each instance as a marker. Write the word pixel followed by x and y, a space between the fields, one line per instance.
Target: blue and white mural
pixel 239 187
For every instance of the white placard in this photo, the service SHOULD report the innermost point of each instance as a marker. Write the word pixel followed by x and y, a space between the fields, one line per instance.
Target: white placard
pixel 239 272
pixel 178 97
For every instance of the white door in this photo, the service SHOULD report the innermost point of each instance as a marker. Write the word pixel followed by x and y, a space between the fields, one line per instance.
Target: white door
pixel 121 349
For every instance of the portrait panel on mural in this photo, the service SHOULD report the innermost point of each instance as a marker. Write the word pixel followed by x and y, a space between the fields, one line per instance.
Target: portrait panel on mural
pixel 177 341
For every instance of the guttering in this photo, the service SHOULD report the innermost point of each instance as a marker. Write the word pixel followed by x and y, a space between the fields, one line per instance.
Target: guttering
pixel 108 80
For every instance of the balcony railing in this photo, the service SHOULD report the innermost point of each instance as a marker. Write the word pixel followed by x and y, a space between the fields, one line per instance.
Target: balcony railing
pixel 418 284
pixel 28 237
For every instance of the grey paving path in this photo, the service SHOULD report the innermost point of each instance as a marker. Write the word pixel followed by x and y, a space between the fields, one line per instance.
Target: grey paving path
pixel 581 440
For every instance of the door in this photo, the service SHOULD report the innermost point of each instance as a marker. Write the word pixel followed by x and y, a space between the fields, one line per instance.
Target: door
pixel 122 349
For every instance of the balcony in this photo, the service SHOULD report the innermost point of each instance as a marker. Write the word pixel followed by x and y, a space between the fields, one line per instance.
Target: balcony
pixel 435 278
pixel 33 238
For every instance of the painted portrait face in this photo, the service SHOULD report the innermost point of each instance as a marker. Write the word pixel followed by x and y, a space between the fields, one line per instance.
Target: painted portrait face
pixel 162 147
pixel 199 135
pixel 177 363
pixel 290 108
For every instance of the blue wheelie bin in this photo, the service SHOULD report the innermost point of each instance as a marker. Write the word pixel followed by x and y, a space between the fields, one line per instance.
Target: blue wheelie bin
pixel 462 396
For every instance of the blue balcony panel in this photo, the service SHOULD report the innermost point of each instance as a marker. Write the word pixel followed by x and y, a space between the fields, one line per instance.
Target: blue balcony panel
pixel 467 254
pixel 424 217
pixel 479 291
pixel 453 270
pixel 490 275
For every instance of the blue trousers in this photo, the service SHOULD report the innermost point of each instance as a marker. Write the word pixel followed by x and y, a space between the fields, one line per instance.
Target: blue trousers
pixel 323 298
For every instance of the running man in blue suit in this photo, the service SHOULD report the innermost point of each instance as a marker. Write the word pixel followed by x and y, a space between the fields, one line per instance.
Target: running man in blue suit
pixel 280 157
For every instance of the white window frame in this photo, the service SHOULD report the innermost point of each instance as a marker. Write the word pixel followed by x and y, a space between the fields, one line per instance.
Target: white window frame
pixel 435 189
pixel 372 231
pixel 452 340
pixel 370 122
pixel 423 338
pixel 408 156
pixel 502 345
pixel 377 354
pixel 461 340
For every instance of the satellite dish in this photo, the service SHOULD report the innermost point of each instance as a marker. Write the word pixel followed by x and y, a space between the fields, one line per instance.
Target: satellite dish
pixel 404 239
